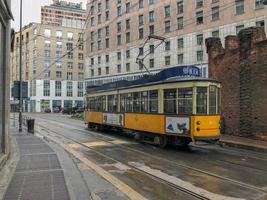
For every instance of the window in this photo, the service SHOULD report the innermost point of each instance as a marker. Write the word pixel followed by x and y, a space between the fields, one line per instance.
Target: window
pixel 47 33
pixel 199 3
pixel 47 43
pixel 141 3
pixel 99 6
pixel 260 24
pixel 180 43
pixel 80 56
pixel 141 20
pixel 118 55
pixel 80 66
pixel 118 1
pixel 58 54
pixel 199 17
pixel 151 30
pixel 141 51
pixel 69 89
pixel 180 7
pixel 122 102
pixel 92 61
pixel 151 16
pixel 180 58
pixel 70 65
pixel 92 72
pixel 128 37
pixel 59 44
pixel 215 33
pixel 99 60
pixel 70 55
pixel 199 56
pixel 119 11
pixel 92 21
pixel 58 88
pixel 136 102
pixel 92 10
pixel 35 31
pixel 259 4
pixel 129 103
pixel 47 64
pixel 201 100
pixel 70 36
pixel 151 2
pixel 107 4
pixel 59 64
pixel 144 102
pixel 99 19
pixel 69 75
pixel 141 33
pixel 127 67
pixel 167 60
pixel 239 7
pixel 151 63
pixel 118 27
pixel 215 13
pixel 167 26
pixel 80 89
pixel 119 68
pixel 151 49
pixel 112 103
pixel 47 53
pixel 107 43
pixel 107 15
pixel 80 46
pixel 128 7
pixel 46 91
pixel 81 76
pixel 127 24
pixel 200 39
pixel 128 54
pixel 185 101
pixel 167 11
pixel 167 46
pixel 170 101
pixel 99 33
pixel 239 28
pixel 107 31
pixel 180 23
pixel 107 70
pixel 58 74
pixel 69 46
pixel 118 40
pixel 107 58
pixel 212 100
pixel 153 101
pixel 34 52
pixel 99 45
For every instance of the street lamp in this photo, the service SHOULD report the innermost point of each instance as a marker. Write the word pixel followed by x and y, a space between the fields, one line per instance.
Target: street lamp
pixel 20 70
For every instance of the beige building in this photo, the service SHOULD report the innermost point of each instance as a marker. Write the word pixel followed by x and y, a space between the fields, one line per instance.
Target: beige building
pixel 63 13
pixel 54 73
pixel 117 30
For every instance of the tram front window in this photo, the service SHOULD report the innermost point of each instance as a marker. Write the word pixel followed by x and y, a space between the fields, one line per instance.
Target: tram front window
pixel 170 101
pixel 202 100
pixel 212 100
pixel 185 101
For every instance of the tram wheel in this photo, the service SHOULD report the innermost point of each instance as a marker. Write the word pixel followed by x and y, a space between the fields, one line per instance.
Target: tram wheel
pixel 161 141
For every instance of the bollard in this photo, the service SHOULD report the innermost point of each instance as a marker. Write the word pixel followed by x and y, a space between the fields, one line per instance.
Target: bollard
pixel 30 125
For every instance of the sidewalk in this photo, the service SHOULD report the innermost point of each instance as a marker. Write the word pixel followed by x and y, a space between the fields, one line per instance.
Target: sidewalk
pixel 38 174
pixel 245 143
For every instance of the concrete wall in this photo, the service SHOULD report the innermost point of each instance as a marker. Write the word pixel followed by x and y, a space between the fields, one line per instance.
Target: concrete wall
pixel 241 67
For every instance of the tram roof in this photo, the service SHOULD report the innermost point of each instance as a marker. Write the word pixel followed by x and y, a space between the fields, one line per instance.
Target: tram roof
pixel 170 75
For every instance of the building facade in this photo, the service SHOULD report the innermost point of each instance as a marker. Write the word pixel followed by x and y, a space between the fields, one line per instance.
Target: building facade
pixel 5 16
pixel 63 13
pixel 53 66
pixel 117 30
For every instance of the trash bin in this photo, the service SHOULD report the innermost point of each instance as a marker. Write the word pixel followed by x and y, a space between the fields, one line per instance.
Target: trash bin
pixel 30 125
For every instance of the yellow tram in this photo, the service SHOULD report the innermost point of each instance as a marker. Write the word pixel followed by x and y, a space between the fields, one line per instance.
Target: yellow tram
pixel 178 110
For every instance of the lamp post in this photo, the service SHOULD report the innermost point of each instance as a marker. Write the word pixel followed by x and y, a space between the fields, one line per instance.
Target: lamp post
pixel 20 70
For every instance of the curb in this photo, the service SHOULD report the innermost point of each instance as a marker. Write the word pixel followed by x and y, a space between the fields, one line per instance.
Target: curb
pixel 243 146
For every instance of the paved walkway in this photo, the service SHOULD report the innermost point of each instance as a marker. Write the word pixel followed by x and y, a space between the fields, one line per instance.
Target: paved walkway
pixel 245 143
pixel 38 174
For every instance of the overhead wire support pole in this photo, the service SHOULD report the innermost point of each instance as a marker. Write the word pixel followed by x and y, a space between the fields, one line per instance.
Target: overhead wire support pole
pixel 20 70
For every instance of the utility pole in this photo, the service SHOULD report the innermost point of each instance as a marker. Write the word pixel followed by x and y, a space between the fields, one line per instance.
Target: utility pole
pixel 20 70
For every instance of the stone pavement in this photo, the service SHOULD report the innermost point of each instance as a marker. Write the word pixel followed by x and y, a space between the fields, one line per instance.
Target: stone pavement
pixel 244 143
pixel 38 174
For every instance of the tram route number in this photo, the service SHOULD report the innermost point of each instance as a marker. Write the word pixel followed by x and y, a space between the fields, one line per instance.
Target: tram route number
pixel 178 125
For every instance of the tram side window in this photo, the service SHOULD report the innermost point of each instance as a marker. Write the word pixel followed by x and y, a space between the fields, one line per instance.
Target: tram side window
pixel 87 103
pixel 153 101
pixel 136 102
pixel 104 103
pixel 219 101
pixel 170 101
pixel 201 100
pixel 123 102
pixel 112 103
pixel 212 100
pixel 99 103
pixel 185 101
pixel 129 103
pixel 144 102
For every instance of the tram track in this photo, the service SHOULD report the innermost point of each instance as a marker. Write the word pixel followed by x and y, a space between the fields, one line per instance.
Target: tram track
pixel 108 140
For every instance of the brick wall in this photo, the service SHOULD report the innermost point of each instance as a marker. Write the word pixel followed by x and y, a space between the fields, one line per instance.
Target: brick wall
pixel 242 69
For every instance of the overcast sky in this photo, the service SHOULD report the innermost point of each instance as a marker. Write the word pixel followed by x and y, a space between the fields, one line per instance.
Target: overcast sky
pixel 31 10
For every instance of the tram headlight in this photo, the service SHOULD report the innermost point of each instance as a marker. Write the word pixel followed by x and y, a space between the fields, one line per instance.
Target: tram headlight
pixel 198 123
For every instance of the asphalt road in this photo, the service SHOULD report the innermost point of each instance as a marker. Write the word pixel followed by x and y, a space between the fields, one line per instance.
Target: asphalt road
pixel 205 170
